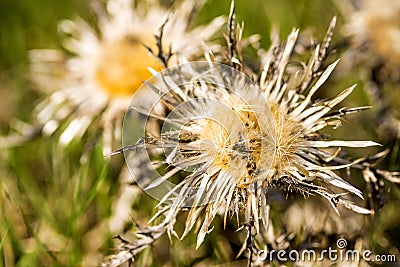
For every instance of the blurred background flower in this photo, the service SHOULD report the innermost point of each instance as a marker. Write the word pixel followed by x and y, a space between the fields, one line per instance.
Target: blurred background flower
pixel 107 64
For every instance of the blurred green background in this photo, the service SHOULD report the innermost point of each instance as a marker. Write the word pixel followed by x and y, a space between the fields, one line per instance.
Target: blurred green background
pixel 51 202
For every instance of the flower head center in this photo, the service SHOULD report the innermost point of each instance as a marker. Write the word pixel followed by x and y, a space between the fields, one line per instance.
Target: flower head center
pixel 123 65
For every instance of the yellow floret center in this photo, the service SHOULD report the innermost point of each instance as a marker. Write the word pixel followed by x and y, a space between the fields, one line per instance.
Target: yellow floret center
pixel 288 136
pixel 123 65
pixel 225 144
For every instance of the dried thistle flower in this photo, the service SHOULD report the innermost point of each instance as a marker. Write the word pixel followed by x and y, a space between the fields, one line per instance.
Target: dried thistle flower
pixel 110 62
pixel 238 138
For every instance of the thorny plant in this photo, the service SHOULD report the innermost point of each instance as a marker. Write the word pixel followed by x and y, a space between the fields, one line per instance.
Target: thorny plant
pixel 234 161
